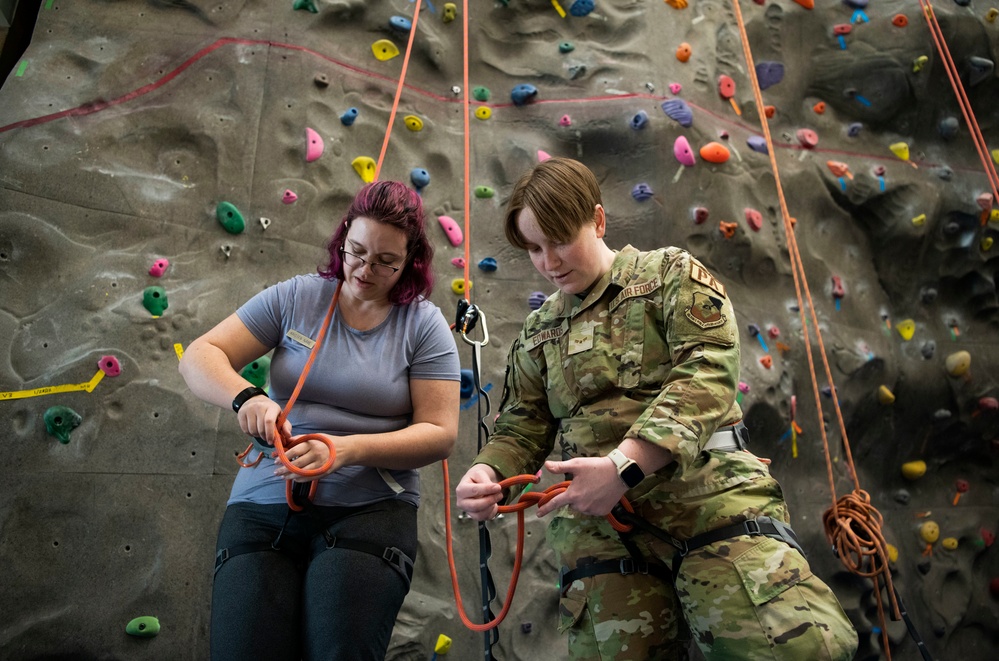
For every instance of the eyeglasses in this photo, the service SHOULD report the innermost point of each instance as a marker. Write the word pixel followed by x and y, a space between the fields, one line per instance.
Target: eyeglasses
pixel 381 270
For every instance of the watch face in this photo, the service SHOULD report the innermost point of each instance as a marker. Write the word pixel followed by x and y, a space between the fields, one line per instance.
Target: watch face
pixel 632 475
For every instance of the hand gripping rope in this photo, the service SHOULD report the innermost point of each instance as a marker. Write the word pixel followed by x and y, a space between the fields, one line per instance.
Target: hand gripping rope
pixel 283 440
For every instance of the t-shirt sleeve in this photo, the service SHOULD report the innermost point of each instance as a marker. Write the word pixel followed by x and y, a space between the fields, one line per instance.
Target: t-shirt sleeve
pixel 436 355
pixel 264 313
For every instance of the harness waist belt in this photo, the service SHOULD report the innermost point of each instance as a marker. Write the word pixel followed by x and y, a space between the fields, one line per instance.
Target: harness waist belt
pixel 729 439
pixel 624 566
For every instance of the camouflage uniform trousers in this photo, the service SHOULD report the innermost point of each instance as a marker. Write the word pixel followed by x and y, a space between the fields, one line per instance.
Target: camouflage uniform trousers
pixel 746 598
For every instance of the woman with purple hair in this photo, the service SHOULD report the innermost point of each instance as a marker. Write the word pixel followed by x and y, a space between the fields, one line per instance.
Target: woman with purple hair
pixel 328 582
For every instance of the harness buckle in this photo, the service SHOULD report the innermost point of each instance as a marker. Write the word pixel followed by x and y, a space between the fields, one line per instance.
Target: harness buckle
pixel 399 560
pixel 631 566
pixel 752 527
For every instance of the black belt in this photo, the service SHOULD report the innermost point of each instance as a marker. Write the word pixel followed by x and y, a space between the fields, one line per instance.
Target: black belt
pixel 623 566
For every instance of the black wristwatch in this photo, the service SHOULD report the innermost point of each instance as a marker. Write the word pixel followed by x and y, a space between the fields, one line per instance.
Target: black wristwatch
pixel 244 395
pixel 629 472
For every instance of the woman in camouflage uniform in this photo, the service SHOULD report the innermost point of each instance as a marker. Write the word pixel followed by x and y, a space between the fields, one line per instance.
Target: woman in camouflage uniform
pixel 631 367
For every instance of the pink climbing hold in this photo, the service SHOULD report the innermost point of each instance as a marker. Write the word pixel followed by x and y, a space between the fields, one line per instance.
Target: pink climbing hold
pixel 452 230
pixel 674 88
pixel 459 262
pixel 543 156
pixel 289 196
pixel 565 120
pixel 109 365
pixel 773 332
pixel 313 145
pixel 984 201
pixel 808 138
pixel 754 219
pixel 159 267
pixel 700 215
pixel 683 152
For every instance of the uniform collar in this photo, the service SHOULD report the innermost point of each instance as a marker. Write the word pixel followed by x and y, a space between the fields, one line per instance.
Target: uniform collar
pixel 620 273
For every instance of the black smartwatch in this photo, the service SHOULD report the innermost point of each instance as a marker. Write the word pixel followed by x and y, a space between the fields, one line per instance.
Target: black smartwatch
pixel 629 472
pixel 244 395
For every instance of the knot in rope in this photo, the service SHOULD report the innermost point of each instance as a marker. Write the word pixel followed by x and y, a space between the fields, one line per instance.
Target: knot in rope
pixel 530 498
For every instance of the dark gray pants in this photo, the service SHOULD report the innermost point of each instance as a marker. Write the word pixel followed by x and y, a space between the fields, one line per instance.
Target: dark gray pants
pixel 306 601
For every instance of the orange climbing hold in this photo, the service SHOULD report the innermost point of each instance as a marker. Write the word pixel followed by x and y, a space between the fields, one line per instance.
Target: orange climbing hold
pixel 727 229
pixel 769 111
pixel 767 361
pixel 839 169
pixel 683 52
pixel 807 4
pixel 819 108
pixel 714 153
pixel 900 20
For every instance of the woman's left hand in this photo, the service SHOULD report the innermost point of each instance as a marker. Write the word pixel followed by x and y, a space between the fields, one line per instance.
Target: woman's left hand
pixel 594 490
pixel 307 455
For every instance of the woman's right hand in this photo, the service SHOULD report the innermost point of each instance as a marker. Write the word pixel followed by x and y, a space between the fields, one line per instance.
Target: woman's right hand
pixel 258 417
pixel 479 492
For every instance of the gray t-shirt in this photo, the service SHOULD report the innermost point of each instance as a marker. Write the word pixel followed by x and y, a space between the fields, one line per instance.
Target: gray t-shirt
pixel 358 384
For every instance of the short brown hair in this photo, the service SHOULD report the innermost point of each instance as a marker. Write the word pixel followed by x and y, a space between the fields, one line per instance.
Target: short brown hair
pixel 562 193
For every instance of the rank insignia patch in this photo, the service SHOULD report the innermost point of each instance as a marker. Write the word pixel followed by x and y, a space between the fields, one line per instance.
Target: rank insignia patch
pixel 705 311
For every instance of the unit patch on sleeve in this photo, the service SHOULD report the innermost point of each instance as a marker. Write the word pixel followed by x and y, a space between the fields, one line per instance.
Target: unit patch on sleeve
pixel 700 274
pixel 705 311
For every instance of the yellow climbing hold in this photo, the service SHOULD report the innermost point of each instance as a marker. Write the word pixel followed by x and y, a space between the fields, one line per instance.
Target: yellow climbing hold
pixel 930 532
pixel 443 644
pixel 949 543
pixel 958 363
pixel 886 396
pixel 365 167
pixel 919 63
pixel 906 329
pixel 384 49
pixel 413 123
pixel 458 286
pixel 900 149
pixel 994 216
pixel 913 470
pixel 995 156
pixel 482 112
pixel 987 244
pixel 892 553
pixel 919 220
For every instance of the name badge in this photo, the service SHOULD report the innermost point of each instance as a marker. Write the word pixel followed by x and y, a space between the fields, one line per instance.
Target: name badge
pixel 581 339
pixel 301 339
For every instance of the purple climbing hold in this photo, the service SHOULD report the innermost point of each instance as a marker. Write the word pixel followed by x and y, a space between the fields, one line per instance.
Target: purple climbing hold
pixel 978 69
pixel 639 120
pixel 536 299
pixel 854 129
pixel 757 143
pixel 641 192
pixel 856 4
pixel 678 110
pixel 769 73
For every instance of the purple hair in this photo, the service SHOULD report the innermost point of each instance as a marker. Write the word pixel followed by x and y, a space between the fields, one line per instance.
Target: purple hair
pixel 395 204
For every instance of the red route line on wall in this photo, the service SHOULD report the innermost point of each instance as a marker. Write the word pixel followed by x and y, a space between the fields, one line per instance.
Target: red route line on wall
pixel 92 107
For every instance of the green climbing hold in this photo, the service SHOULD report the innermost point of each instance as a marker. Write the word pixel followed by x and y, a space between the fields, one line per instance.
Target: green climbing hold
pixel 60 421
pixel 154 299
pixel 566 47
pixel 256 371
pixel 484 191
pixel 307 5
pixel 481 93
pixel 146 626
pixel 230 217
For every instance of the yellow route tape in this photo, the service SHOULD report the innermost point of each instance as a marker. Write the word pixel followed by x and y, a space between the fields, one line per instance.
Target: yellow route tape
pixel 178 349
pixel 52 390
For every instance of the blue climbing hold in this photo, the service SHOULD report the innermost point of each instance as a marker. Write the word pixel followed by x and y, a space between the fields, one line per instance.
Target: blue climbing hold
pixel 348 117
pixel 400 23
pixel 757 143
pixel 948 127
pixel 522 94
pixel 488 264
pixel 536 299
pixel 419 177
pixel 641 192
pixel 678 110
pixel 854 129
pixel 640 120
pixel 581 7
pixel 467 386
pixel 769 73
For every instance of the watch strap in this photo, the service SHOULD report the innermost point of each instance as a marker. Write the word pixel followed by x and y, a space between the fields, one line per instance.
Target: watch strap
pixel 246 394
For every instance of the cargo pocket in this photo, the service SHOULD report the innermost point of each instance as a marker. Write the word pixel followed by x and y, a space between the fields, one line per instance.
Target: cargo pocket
pixel 572 604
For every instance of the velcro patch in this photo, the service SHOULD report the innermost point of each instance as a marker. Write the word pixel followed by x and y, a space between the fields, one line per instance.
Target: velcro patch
pixel 705 311
pixel 632 291
pixel 546 335
pixel 701 275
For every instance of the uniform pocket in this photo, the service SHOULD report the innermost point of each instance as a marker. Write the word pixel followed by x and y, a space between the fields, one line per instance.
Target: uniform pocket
pixel 769 568
pixel 572 604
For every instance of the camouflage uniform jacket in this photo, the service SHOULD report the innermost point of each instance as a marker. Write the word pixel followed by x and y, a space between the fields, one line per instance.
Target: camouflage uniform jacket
pixel 651 353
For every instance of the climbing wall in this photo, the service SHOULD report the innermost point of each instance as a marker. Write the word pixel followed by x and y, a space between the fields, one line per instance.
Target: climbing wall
pixel 161 162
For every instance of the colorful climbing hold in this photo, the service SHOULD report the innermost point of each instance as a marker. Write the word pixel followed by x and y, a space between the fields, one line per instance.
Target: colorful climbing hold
pixel 581 8
pixel 767 361
pixel 906 328
pixel 458 262
pixel 146 626
pixel 639 120
pixel 727 229
pixel 838 291
pixel 483 113
pixel 458 286
pixel 978 69
pixel 807 138
pixel 949 543
pixel 348 117
pixel 420 178
pixel 488 264
pixel 543 156
pixel 913 470
pixel 958 363
pixel 641 192
pixel 289 196
pixel 60 421
pixel 675 88
pixel 892 553
pixel 991 15
pixel 683 152
pixel 566 47
pixel 384 49
pixel 481 93
pixel 306 5
pixel 726 86
pixel 565 120
pixel 754 219
pixel 885 396
pixel 400 23
pixel 159 267
pixel 853 130
pixel 839 169
pixel 930 532
pixel 443 644
pixel 919 220
pixel 819 108
pixel 365 167
pixel 683 52
pixel 230 217
pixel 483 192
pixel 466 387
pixel 700 215
pixel 154 299
pixel 900 20
pixel 413 123
pixel 536 299
pixel 757 143
pixel 900 149
pixel 313 145
pixel 451 229
pixel 679 111
pixel 769 73
pixel 919 63
pixel 450 12
pixel 109 365
pixel 714 153
pixel 962 486
pixel 986 243
pixel 522 94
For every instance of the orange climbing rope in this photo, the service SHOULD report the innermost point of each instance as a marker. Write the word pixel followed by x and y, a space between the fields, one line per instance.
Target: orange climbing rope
pixel 398 89
pixel 852 524
pixel 962 99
